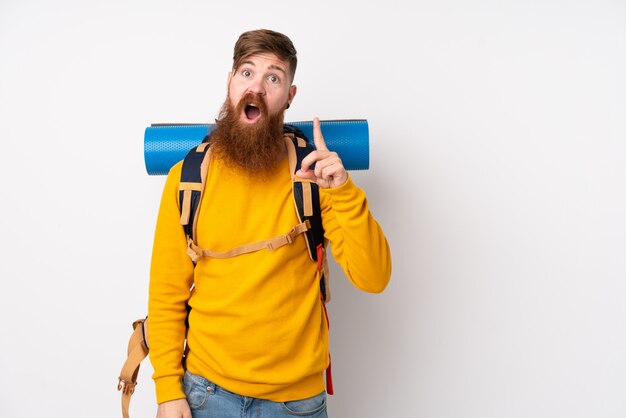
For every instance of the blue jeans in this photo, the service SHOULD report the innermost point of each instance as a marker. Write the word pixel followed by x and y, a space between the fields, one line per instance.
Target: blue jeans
pixel 207 400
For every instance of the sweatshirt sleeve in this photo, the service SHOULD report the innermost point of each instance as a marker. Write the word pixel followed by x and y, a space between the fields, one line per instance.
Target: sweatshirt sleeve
pixel 171 277
pixel 357 241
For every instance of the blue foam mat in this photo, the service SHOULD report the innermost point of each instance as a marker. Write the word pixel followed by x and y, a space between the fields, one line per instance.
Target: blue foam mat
pixel 167 144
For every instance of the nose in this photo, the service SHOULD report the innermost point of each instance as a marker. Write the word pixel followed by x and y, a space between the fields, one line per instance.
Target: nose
pixel 257 87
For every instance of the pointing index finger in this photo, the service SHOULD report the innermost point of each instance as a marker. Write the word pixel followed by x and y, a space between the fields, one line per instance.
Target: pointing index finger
pixel 318 139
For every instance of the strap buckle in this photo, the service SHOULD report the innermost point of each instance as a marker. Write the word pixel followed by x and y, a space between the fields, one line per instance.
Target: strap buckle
pixel 191 252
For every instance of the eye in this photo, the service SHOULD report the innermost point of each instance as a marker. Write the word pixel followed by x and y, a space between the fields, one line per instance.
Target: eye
pixel 274 79
pixel 246 73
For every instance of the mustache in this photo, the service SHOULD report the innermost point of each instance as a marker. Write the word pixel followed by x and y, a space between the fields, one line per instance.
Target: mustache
pixel 254 99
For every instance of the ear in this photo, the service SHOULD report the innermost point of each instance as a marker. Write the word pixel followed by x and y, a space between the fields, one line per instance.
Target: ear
pixel 292 93
pixel 230 76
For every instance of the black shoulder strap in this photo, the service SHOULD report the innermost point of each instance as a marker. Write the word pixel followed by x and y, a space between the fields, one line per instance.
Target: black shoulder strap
pixel 306 194
pixel 191 187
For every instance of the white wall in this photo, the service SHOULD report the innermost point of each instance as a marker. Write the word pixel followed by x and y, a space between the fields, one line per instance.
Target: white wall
pixel 498 171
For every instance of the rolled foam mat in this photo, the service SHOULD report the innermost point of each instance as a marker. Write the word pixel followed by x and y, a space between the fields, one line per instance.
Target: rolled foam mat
pixel 167 144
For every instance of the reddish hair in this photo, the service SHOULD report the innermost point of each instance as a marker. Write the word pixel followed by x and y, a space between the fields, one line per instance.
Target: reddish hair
pixel 264 41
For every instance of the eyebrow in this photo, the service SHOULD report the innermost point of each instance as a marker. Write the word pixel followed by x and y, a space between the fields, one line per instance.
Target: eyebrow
pixel 271 67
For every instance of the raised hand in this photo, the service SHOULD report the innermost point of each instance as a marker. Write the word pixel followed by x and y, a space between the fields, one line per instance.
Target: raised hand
pixel 329 171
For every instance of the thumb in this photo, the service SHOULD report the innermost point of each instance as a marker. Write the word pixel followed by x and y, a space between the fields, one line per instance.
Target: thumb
pixel 306 174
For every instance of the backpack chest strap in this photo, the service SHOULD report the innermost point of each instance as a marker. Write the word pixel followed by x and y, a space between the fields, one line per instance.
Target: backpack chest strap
pixel 270 244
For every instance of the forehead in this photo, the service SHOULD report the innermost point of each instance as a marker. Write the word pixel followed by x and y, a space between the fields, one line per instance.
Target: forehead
pixel 265 60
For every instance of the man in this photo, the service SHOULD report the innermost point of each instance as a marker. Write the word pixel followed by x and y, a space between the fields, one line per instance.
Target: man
pixel 257 336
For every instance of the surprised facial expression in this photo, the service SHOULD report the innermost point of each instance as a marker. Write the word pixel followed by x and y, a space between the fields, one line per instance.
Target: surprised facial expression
pixel 267 77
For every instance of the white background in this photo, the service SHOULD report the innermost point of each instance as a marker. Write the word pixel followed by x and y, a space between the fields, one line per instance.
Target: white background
pixel 498 172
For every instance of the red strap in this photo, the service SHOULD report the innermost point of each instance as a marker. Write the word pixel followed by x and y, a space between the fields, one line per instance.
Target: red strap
pixel 329 370
pixel 320 256
pixel 329 378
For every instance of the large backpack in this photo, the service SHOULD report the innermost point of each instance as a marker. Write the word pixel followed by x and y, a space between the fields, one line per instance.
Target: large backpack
pixel 191 189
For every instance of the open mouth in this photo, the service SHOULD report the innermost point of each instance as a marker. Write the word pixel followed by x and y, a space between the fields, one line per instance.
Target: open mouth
pixel 252 113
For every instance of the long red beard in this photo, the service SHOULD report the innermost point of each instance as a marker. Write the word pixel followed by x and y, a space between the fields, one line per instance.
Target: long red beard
pixel 256 148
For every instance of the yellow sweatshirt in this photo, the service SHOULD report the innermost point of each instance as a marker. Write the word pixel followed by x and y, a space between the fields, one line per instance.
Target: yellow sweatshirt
pixel 257 326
